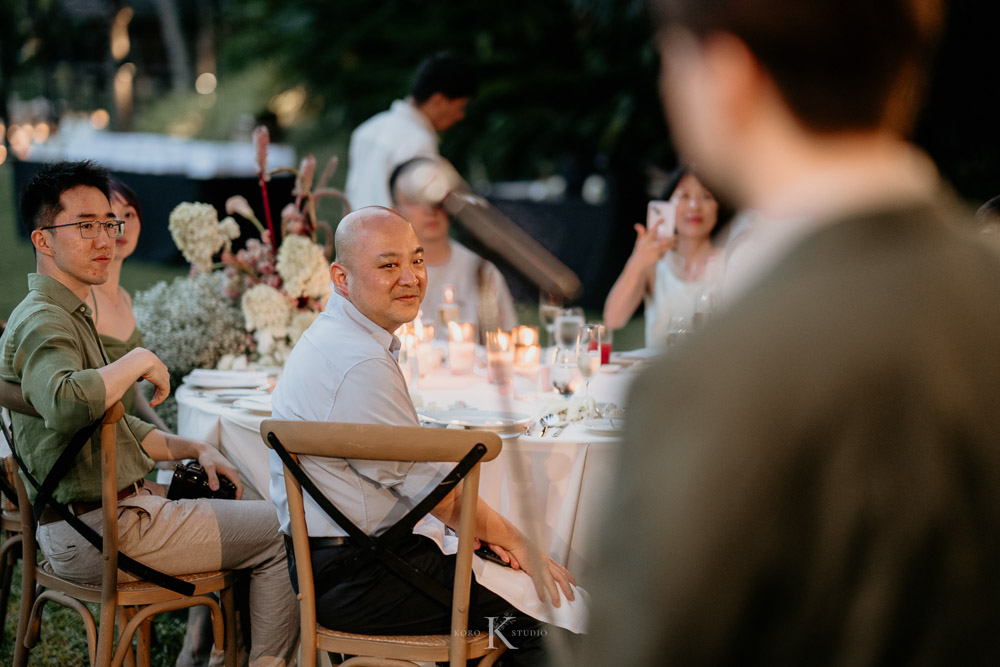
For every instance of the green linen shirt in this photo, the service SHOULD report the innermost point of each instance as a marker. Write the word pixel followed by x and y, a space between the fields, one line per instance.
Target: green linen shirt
pixel 52 349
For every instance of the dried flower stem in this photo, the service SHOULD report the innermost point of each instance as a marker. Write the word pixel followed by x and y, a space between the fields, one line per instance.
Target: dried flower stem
pixel 267 205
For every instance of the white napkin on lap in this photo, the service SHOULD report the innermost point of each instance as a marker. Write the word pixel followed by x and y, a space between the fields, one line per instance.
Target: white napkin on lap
pixel 514 586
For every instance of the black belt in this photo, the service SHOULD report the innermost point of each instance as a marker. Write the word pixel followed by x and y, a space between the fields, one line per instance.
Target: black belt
pixel 320 542
pixel 49 515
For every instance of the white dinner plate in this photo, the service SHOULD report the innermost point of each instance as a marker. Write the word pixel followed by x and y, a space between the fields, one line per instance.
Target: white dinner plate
pixel 605 426
pixel 489 420
pixel 208 378
pixel 260 405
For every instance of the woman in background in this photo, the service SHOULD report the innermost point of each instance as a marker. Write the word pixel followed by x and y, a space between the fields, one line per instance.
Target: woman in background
pixel 112 305
pixel 671 274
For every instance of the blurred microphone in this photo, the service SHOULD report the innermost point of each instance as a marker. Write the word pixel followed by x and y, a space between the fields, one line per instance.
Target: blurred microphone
pixel 435 182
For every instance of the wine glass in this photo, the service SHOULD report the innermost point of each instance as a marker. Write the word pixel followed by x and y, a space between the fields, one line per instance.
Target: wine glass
pixel 703 307
pixel 548 308
pixel 588 358
pixel 568 323
pixel 677 331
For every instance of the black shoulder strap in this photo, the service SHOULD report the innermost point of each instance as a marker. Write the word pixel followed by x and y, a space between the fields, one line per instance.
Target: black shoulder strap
pixel 44 495
pixel 379 547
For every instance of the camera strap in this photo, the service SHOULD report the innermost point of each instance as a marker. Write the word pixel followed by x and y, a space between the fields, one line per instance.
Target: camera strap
pixel 44 496
pixel 380 547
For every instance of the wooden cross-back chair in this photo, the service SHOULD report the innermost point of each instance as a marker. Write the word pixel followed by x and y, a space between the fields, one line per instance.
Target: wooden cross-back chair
pixel 133 603
pixel 387 443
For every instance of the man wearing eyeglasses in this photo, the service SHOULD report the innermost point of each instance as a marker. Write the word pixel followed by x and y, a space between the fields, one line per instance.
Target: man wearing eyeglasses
pixel 51 348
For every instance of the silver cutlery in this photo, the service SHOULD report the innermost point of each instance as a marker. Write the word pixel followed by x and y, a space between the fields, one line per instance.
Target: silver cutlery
pixel 546 421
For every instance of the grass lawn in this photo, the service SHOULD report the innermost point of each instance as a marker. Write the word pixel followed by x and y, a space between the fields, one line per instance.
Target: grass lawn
pixel 63 641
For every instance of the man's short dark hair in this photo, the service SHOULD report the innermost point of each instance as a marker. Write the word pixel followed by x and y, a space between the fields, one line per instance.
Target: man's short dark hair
pixel 839 64
pixel 40 203
pixel 444 73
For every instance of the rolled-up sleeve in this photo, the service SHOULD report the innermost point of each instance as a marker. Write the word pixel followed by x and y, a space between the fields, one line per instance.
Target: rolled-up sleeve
pixel 53 374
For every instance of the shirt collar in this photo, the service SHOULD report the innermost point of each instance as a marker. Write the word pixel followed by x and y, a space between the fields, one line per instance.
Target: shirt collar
pixel 58 293
pixel 339 304
pixel 409 108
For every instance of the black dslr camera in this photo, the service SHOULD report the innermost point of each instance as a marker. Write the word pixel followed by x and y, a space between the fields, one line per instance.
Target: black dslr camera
pixel 191 481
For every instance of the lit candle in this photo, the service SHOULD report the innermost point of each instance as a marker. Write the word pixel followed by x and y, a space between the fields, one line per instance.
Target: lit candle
pixel 524 339
pixel 430 358
pixel 461 347
pixel 448 311
pixel 527 366
pixel 499 358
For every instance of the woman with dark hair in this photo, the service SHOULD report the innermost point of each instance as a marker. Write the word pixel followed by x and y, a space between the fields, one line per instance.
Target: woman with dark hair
pixel 671 274
pixel 112 305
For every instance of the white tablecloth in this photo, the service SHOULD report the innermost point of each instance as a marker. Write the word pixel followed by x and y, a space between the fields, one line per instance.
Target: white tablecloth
pixel 560 480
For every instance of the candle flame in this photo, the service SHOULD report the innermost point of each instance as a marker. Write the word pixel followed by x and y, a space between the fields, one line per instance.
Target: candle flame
pixel 449 294
pixel 455 332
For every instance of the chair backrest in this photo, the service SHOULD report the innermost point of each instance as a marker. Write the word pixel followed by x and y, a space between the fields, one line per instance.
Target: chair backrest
pixel 383 443
pixel 12 399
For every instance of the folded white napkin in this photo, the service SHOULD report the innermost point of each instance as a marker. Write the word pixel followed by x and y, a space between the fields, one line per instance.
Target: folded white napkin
pixel 514 586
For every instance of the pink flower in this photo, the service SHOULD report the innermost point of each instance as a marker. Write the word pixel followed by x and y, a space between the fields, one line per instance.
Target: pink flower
pixel 239 204
pixel 261 138
pixel 305 175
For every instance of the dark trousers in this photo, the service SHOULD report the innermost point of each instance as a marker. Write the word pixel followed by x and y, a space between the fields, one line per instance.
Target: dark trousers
pixel 368 599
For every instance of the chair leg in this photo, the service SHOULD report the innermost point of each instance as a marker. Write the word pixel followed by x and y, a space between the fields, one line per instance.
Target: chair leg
pixel 229 619
pixel 9 553
pixel 122 616
pixel 106 634
pixel 28 595
pixel 144 643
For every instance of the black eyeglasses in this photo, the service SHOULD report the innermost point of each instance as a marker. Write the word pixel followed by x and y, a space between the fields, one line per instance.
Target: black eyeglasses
pixel 91 229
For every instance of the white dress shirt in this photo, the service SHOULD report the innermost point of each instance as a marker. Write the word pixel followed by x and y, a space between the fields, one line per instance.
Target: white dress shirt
pixel 380 144
pixel 461 271
pixel 344 369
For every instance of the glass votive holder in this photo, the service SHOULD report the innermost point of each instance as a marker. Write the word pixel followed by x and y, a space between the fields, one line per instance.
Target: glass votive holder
pixel 461 356
pixel 526 379
pixel 499 358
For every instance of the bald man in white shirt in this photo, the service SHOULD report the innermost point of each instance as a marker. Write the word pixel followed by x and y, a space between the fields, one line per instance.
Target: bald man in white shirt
pixel 344 369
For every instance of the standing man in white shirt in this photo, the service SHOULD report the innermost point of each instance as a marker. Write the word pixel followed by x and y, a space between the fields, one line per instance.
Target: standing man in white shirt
pixel 478 288
pixel 441 89
pixel 344 369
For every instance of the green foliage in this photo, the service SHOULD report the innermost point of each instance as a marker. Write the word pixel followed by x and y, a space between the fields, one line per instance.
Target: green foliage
pixel 566 86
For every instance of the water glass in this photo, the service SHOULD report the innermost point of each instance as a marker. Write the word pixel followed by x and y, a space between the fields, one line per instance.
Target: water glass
pixel 568 323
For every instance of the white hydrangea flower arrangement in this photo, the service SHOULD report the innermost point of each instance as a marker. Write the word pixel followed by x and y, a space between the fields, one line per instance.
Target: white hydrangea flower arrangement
pixel 255 303
pixel 199 234
pixel 304 269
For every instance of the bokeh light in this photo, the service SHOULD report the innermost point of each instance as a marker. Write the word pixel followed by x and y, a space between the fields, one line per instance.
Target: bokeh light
pixel 100 119
pixel 205 83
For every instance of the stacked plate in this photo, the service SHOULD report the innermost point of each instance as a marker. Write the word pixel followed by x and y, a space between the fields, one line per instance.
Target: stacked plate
pixel 468 418
pixel 209 378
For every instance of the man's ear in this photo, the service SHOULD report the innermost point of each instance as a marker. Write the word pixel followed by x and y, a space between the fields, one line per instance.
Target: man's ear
pixel 41 242
pixel 738 78
pixel 338 274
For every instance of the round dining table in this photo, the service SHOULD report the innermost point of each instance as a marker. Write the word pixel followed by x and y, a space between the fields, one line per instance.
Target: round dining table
pixel 551 486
